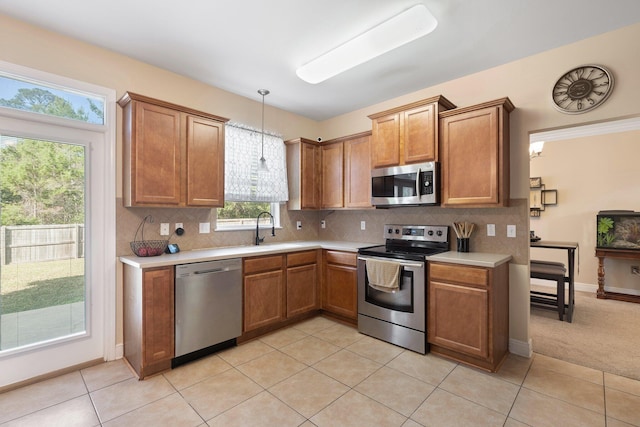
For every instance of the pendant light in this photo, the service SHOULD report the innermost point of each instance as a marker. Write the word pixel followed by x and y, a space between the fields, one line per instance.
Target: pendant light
pixel 263 162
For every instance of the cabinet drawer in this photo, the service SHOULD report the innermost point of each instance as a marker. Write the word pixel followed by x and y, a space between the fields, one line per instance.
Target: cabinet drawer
pixel 302 258
pixel 263 263
pixel 344 258
pixel 458 273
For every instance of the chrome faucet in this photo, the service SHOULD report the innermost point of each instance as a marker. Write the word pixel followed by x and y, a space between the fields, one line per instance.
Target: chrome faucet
pixel 273 227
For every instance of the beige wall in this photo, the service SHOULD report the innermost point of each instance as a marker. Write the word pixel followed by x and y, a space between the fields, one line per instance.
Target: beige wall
pixel 527 82
pixel 591 174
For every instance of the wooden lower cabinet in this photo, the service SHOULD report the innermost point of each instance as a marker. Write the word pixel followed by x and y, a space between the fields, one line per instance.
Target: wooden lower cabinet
pixel 278 288
pixel 263 286
pixel 340 284
pixel 149 319
pixel 302 283
pixel 469 313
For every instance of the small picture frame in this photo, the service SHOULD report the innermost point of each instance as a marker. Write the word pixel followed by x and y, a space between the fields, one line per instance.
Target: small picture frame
pixel 535 199
pixel 535 182
pixel 549 197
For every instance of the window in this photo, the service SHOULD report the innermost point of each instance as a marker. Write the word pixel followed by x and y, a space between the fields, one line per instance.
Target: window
pixel 243 215
pixel 22 94
pixel 250 189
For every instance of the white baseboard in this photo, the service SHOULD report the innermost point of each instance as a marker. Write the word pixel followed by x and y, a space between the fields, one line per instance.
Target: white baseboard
pixel 521 348
pixel 119 351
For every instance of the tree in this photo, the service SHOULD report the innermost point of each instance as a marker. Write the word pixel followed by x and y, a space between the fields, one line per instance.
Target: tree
pixel 243 209
pixel 42 101
pixel 41 182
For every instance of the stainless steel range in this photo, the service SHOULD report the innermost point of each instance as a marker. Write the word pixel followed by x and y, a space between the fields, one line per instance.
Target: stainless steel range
pixel 395 310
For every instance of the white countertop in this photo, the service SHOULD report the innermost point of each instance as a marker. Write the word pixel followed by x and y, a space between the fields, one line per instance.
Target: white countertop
pixel 200 255
pixel 477 259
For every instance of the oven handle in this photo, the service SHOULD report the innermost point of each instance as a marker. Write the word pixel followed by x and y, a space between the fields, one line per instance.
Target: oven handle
pixel 402 264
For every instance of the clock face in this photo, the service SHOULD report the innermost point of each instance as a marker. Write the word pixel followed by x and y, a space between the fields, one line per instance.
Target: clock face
pixel 582 89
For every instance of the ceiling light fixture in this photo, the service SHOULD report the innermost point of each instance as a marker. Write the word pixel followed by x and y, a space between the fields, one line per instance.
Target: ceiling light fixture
pixel 263 162
pixel 403 28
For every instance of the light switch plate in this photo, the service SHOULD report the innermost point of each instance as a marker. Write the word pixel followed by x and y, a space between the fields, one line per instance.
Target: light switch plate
pixel 205 227
pixel 164 229
pixel 298 225
pixel 323 224
pixel 491 230
pixel 511 231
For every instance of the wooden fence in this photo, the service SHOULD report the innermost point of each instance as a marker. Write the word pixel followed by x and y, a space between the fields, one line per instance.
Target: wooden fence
pixel 34 243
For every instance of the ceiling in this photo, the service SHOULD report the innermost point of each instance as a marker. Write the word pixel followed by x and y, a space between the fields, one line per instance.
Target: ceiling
pixel 244 45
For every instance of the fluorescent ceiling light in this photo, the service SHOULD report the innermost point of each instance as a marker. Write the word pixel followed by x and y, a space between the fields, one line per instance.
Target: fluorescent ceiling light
pixel 403 28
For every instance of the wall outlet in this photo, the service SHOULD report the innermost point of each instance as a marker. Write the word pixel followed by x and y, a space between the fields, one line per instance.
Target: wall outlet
pixel 363 225
pixel 205 227
pixel 323 224
pixel 178 225
pixel 511 231
pixel 298 225
pixel 491 230
pixel 164 229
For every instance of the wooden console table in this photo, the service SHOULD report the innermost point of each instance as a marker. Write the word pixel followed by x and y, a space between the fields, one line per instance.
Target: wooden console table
pixel 620 254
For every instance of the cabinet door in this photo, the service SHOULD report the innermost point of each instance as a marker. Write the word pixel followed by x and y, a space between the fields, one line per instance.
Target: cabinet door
pixel 471 153
pixel 340 290
pixel 332 175
pixel 385 147
pixel 157 316
pixel 156 156
pixel 263 299
pixel 309 176
pixel 459 318
pixel 357 163
pixel 419 135
pixel 205 162
pixel 302 289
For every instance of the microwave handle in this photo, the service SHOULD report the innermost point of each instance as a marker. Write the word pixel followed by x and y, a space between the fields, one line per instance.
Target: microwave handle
pixel 418 182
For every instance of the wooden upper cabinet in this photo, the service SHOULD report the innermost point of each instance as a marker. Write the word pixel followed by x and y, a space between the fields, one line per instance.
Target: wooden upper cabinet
pixel 475 155
pixel 407 134
pixel 357 171
pixel 173 155
pixel 332 188
pixel 205 147
pixel 346 172
pixel 303 174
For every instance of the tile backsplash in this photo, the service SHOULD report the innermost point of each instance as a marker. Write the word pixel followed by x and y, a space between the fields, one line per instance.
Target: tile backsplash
pixel 342 225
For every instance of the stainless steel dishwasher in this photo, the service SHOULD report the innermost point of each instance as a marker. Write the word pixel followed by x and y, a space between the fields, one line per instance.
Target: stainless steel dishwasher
pixel 208 307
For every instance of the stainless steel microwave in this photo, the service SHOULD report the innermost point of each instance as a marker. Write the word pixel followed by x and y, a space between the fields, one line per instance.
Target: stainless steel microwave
pixel 408 185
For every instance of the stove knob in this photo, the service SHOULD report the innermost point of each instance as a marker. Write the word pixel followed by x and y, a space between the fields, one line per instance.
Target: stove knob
pixel 397 231
pixel 390 230
pixel 430 232
pixel 439 232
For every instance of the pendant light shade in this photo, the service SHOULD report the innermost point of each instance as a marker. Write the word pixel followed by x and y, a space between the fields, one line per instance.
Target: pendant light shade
pixel 262 166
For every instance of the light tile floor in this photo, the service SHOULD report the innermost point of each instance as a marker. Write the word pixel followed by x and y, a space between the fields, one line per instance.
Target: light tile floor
pixel 323 373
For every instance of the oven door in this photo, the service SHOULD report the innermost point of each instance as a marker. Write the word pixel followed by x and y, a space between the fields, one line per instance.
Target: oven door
pixel 405 307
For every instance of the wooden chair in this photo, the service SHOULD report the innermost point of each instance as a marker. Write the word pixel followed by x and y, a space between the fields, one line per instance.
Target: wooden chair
pixel 556 272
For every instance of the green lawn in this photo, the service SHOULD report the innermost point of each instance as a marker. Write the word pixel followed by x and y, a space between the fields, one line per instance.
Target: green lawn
pixel 43 284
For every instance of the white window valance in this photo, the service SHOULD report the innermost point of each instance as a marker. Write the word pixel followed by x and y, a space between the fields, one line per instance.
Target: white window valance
pixel 244 182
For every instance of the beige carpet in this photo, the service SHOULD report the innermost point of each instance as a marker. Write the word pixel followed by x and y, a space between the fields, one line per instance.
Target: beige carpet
pixel 604 335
